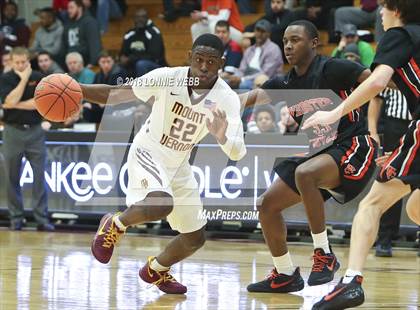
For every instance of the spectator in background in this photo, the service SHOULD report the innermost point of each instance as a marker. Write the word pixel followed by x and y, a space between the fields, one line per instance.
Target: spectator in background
pixel 23 136
pixel 322 14
pixel 142 48
pixel 109 70
pixel 248 114
pixel 349 36
pixel 77 70
pixel 233 52
pixel 265 120
pixel 81 34
pixel 211 12
pixel 290 5
pixel 279 17
pixel 105 10
pixel 13 30
pixel 245 7
pixel 111 74
pixel 60 8
pixel 49 36
pixel 47 65
pixel 367 15
pixel 351 52
pixel 6 62
pixel 172 12
pixel 396 120
pixel 287 124
pixel 264 57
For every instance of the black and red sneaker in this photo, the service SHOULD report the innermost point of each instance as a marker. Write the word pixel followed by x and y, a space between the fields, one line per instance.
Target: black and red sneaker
pixel 278 283
pixel 162 279
pixel 324 267
pixel 343 296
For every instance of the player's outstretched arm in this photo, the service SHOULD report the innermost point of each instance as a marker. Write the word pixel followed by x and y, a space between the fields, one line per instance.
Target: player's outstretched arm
pixel 107 94
pixel 372 86
pixel 256 96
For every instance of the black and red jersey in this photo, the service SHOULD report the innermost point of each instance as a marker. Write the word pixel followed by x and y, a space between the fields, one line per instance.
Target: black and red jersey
pixel 339 75
pixel 400 49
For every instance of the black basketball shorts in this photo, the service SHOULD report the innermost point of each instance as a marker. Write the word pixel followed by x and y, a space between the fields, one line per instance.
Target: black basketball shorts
pixel 355 158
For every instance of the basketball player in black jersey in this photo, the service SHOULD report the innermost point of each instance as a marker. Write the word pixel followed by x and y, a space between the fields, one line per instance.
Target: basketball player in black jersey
pixel 397 57
pixel 341 170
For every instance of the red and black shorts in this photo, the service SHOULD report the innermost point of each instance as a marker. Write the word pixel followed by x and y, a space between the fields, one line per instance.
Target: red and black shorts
pixel 404 162
pixel 355 158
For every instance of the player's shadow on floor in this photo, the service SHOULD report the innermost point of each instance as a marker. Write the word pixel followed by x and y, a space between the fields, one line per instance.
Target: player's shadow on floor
pixel 166 301
pixel 276 301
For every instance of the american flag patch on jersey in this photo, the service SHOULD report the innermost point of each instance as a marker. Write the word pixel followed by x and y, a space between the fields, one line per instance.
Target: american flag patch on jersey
pixel 211 105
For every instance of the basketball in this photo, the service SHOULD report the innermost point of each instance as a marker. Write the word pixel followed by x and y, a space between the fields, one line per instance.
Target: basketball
pixel 58 97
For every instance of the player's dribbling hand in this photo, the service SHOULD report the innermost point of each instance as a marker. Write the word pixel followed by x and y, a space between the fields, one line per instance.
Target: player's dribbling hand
pixel 218 126
pixel 46 125
pixel 321 118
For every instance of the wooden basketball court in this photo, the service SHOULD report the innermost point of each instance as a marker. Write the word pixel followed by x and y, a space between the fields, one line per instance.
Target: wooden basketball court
pixel 57 271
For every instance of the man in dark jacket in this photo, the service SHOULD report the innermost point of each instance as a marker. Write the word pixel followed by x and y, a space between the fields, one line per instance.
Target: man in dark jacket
pixel 142 46
pixel 279 18
pixel 13 31
pixel 81 34
pixel 111 74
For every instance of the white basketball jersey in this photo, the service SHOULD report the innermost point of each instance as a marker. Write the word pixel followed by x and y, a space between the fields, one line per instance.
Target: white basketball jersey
pixel 176 124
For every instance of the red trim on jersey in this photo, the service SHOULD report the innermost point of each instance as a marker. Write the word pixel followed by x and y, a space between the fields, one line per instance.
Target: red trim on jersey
pixel 416 136
pixel 415 67
pixel 369 161
pixel 349 151
pixel 408 82
pixel 392 157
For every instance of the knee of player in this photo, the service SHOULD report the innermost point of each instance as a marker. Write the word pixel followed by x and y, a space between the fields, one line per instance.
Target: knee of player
pixel 414 213
pixel 374 203
pixel 414 216
pixel 305 174
pixel 156 205
pixel 160 203
pixel 369 209
pixel 266 206
pixel 196 239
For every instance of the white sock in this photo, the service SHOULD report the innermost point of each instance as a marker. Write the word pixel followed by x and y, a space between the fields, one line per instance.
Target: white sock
pixel 156 266
pixel 350 274
pixel 284 264
pixel 119 224
pixel 321 241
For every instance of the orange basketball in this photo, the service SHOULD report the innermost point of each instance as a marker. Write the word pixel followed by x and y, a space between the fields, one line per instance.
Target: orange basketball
pixel 58 97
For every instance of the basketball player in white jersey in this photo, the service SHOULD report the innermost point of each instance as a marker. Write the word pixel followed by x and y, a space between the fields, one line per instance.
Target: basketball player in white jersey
pixel 158 160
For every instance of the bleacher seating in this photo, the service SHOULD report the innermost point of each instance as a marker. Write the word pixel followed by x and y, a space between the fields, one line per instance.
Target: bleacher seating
pixel 176 35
